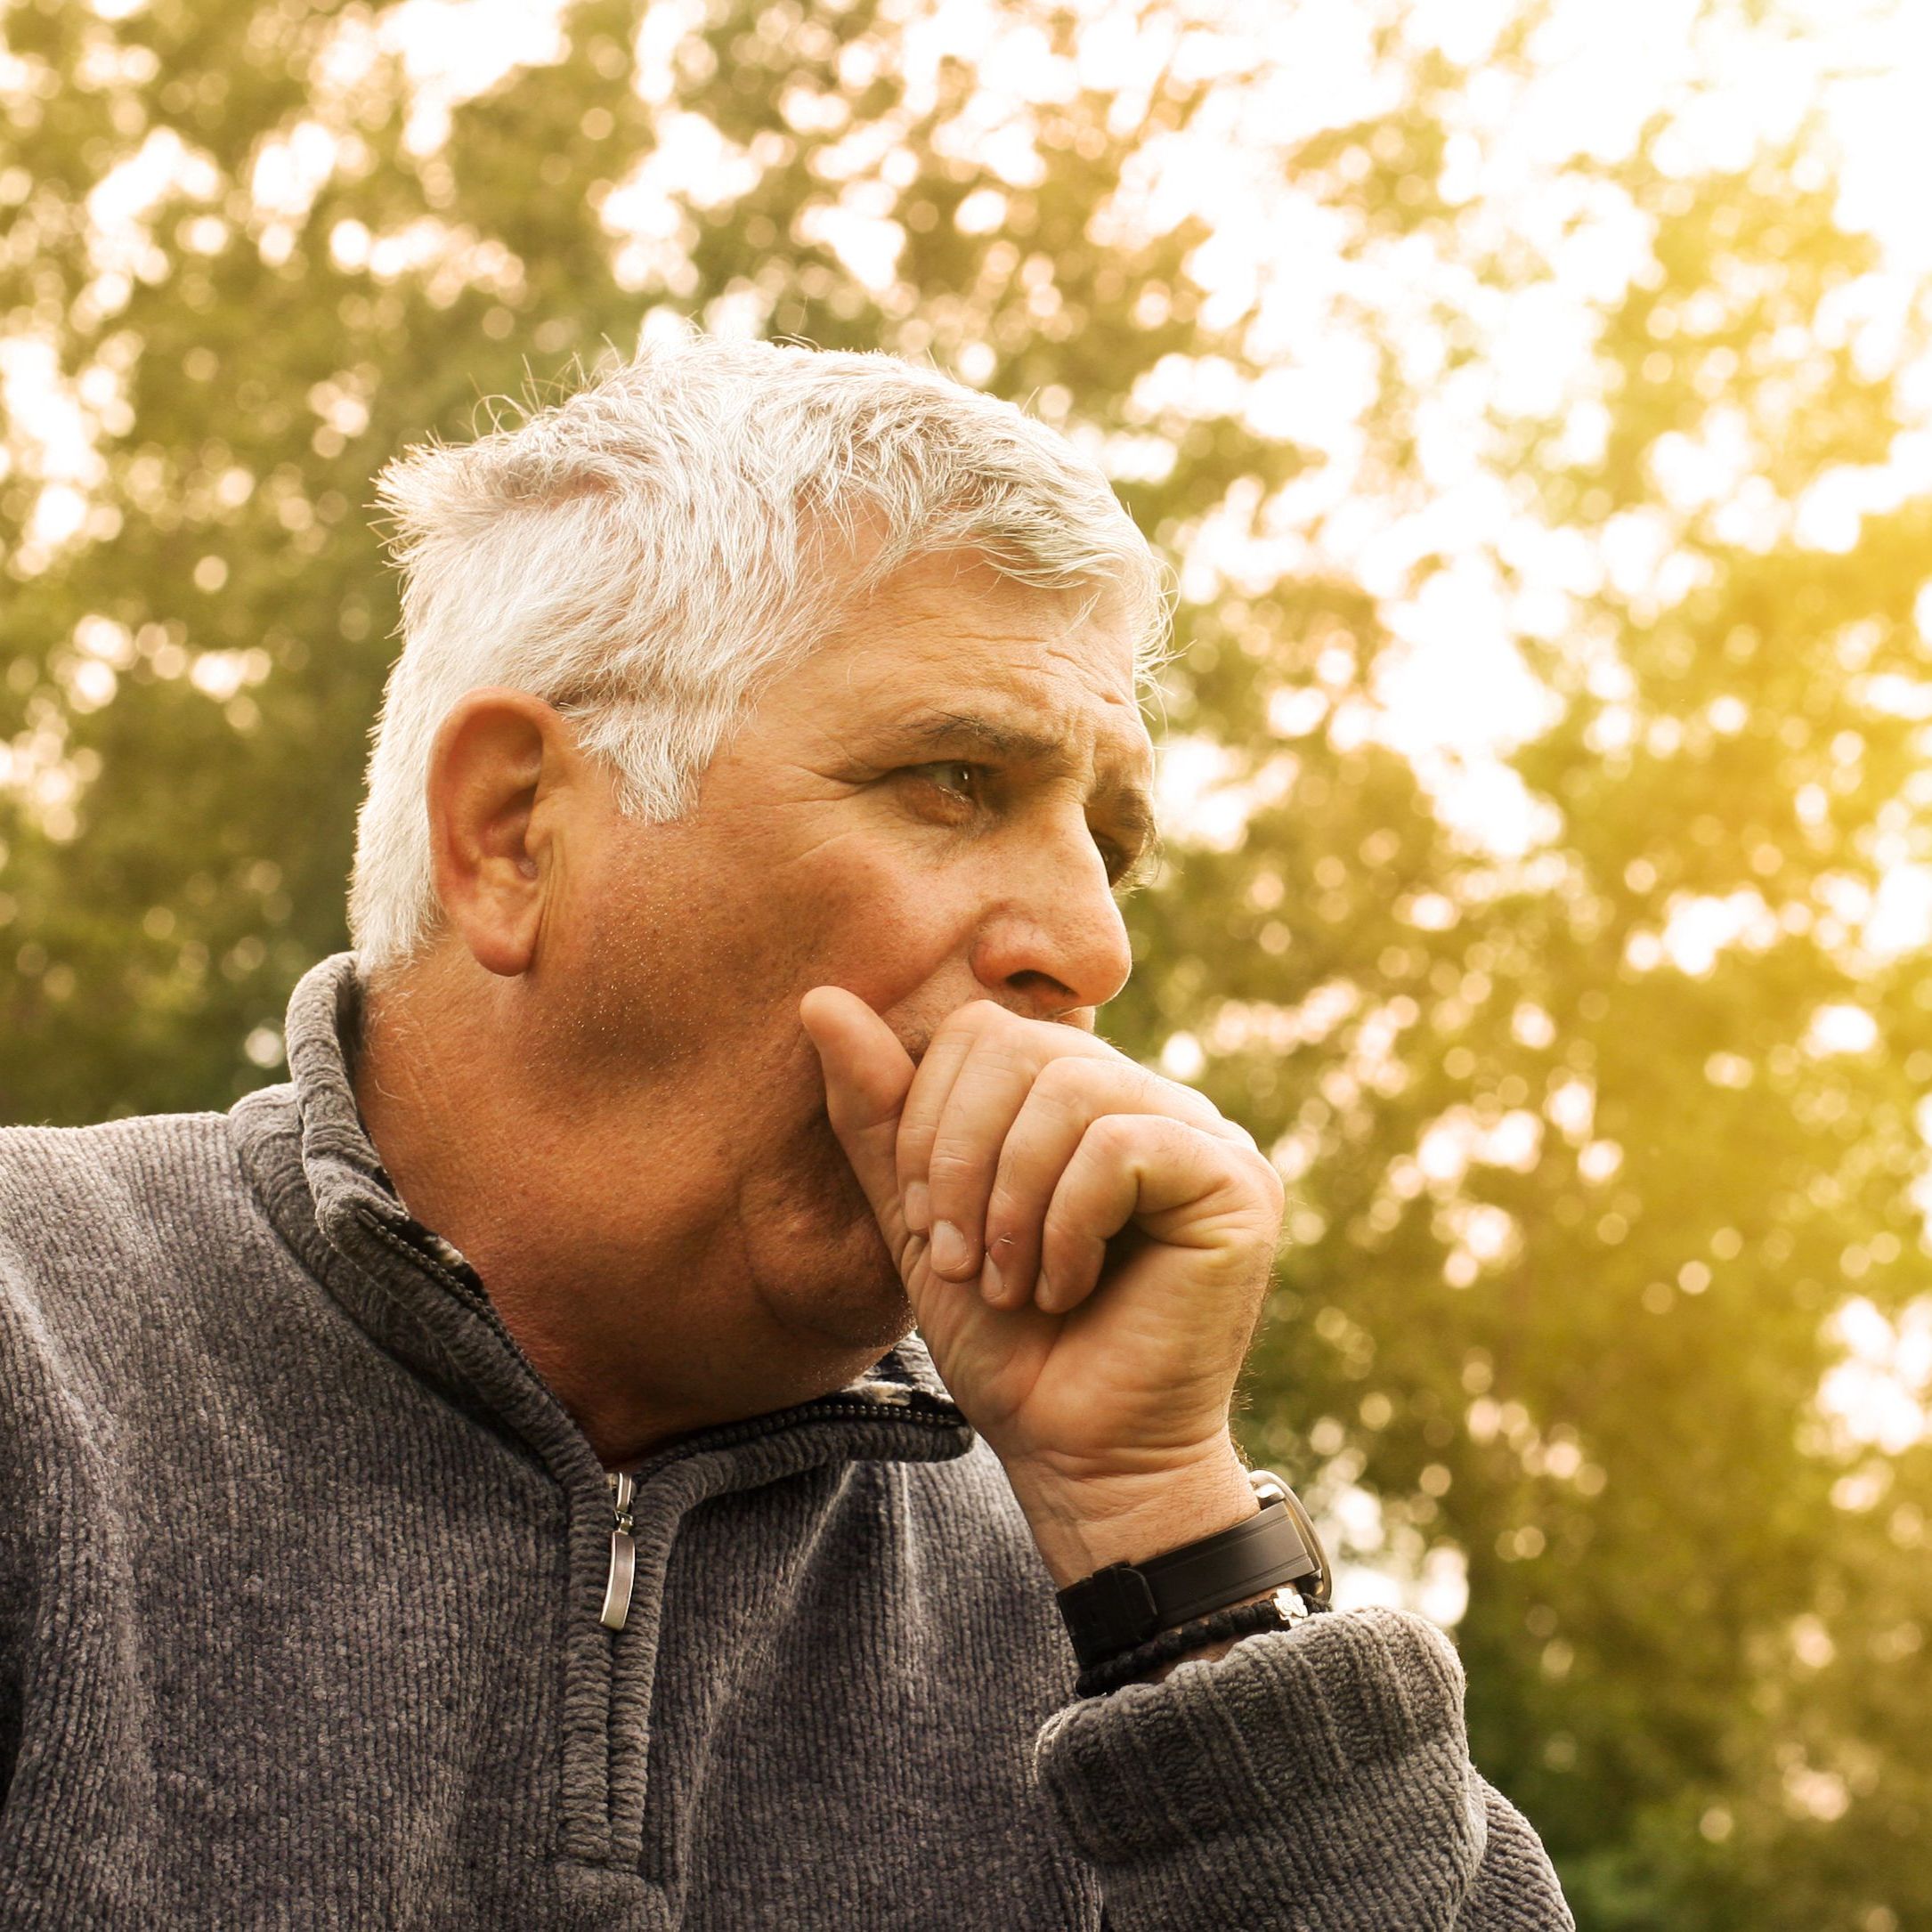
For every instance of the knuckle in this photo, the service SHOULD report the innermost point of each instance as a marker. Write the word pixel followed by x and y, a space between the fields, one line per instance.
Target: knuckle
pixel 1009 1177
pixel 954 1161
pixel 1061 1081
pixel 979 1016
pixel 1019 1171
pixel 1118 1133
pixel 1006 1062
pixel 1017 1200
pixel 954 1032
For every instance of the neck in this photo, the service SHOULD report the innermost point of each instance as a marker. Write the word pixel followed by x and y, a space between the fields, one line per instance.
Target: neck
pixel 615 1254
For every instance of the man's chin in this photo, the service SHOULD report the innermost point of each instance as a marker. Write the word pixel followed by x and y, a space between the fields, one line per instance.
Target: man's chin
pixel 838 1322
pixel 858 1302
pixel 832 1280
pixel 819 1260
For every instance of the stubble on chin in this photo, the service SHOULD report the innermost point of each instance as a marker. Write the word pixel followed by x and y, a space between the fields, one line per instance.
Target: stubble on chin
pixel 819 1262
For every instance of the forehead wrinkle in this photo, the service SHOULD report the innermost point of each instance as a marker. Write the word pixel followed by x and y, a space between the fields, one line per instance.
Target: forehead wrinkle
pixel 994 734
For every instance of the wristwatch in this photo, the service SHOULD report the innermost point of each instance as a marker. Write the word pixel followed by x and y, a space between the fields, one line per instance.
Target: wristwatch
pixel 1122 1606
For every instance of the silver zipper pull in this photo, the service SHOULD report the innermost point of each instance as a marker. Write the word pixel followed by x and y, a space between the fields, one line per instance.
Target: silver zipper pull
pixel 623 1555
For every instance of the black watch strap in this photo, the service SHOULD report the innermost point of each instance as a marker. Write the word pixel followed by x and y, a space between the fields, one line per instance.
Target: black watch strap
pixel 1124 1604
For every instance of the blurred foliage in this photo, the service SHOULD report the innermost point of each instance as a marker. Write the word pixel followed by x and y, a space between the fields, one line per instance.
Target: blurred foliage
pixel 1569 1221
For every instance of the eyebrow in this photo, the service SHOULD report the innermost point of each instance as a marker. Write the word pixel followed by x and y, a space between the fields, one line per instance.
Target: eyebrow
pixel 1128 802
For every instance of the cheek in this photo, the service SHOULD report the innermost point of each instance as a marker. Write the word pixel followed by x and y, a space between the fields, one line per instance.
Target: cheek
pixel 706 943
pixel 881 929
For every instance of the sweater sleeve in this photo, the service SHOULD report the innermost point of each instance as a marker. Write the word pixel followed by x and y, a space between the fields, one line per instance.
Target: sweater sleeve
pixel 1312 1780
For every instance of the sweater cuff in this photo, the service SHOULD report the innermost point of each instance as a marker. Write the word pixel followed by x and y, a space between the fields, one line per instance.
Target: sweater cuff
pixel 1317 1778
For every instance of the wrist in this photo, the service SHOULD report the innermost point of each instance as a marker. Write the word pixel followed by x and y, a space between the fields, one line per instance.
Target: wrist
pixel 1136 1615
pixel 1082 1525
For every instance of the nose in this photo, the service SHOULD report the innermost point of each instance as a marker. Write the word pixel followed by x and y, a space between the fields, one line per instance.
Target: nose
pixel 1052 943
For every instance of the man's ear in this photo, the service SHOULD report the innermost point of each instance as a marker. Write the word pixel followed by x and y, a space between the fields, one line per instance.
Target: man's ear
pixel 499 761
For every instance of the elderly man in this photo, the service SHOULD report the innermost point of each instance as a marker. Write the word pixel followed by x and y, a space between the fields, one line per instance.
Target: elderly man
pixel 494 1479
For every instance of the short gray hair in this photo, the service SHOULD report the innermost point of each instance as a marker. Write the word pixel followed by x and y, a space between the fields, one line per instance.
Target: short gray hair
pixel 644 554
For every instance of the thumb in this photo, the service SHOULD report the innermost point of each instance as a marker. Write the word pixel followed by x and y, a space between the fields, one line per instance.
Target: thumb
pixel 868 1074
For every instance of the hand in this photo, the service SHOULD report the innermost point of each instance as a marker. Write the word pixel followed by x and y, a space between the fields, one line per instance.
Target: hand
pixel 1085 1247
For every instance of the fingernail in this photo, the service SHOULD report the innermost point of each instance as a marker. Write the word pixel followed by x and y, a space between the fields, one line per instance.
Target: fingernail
pixel 950 1253
pixel 1042 1296
pixel 917 1206
pixel 991 1287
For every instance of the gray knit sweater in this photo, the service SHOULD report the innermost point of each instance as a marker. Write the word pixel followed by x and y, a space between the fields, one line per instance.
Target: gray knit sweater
pixel 302 1580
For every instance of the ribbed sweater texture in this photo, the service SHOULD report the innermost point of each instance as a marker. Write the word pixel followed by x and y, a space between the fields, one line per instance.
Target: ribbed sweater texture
pixel 301 1575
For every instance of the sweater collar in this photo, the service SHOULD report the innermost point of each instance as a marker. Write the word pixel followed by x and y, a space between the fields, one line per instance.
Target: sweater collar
pixel 320 1176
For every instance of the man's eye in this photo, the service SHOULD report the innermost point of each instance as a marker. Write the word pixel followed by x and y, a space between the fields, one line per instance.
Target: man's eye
pixel 1125 871
pixel 959 779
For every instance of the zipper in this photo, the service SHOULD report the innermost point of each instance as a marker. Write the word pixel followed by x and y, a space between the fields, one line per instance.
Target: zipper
pixel 623 1555
pixel 623 1571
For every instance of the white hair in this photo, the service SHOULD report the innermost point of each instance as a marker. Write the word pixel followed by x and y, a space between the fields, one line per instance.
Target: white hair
pixel 643 555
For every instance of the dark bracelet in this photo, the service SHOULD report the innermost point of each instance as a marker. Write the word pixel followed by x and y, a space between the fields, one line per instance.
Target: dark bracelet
pixel 1244 1619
